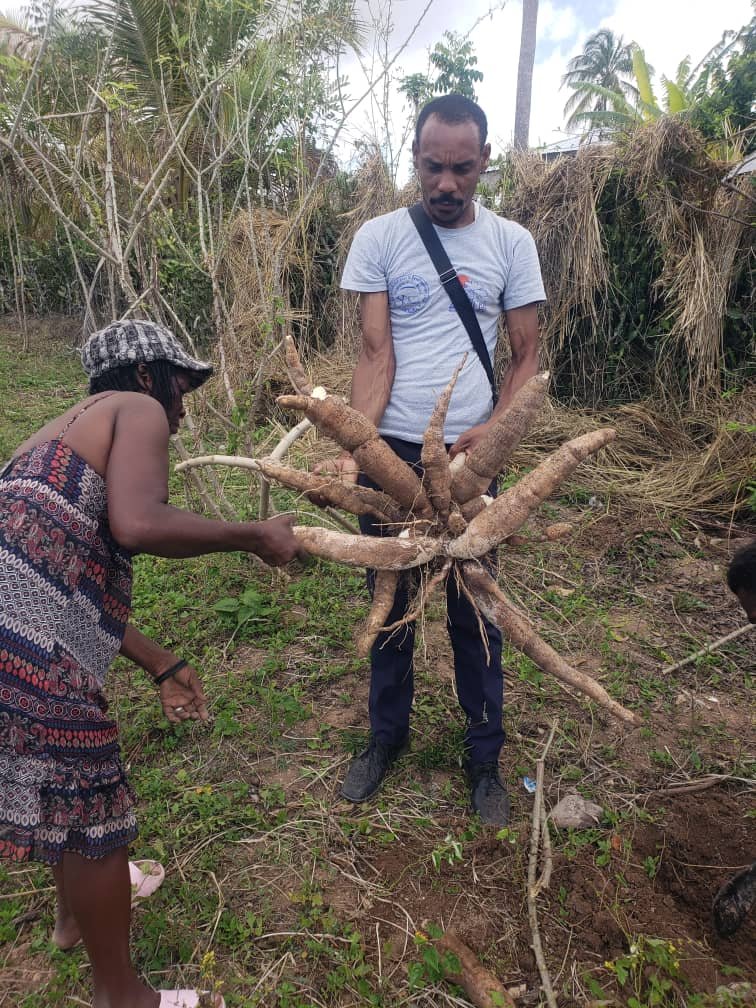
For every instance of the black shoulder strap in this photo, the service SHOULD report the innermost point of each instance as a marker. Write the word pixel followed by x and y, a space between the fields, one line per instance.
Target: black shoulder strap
pixel 451 284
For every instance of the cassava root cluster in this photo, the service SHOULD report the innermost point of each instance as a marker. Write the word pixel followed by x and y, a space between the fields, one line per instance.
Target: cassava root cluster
pixel 444 524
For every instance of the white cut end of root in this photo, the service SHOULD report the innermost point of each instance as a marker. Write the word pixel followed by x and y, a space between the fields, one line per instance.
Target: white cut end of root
pixel 404 534
pixel 318 392
pixel 457 462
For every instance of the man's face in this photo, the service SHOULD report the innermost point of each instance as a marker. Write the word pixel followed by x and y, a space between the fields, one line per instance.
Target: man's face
pixel 448 161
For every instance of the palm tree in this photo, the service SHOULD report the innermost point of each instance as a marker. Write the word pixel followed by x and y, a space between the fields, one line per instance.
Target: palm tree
pixel 525 73
pixel 597 75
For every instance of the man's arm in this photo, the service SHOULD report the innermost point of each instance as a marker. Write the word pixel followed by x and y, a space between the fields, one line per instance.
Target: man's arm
pixel 372 378
pixel 374 372
pixel 522 328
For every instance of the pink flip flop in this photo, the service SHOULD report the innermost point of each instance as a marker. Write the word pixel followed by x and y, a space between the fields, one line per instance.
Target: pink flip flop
pixel 146 877
pixel 186 999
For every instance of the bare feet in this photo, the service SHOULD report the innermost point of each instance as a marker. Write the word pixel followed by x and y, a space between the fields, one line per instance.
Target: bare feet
pixel 66 934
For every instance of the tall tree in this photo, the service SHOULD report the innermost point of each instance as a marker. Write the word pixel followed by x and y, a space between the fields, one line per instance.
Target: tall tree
pixel 525 73
pixel 604 68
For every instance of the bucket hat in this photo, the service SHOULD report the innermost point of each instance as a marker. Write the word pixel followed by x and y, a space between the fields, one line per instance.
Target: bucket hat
pixel 134 342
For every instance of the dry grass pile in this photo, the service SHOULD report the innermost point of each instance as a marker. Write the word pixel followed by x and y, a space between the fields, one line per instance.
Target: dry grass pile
pixel 255 244
pixel 700 227
pixel 693 464
pixel 558 203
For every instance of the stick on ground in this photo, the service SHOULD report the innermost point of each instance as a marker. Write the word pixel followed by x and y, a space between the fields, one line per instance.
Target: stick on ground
pixel 540 835
pixel 715 645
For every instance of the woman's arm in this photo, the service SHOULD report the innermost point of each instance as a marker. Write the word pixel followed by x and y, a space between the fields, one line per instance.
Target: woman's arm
pixel 142 521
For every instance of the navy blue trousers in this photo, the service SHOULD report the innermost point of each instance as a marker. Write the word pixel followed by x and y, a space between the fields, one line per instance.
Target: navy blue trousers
pixel 480 682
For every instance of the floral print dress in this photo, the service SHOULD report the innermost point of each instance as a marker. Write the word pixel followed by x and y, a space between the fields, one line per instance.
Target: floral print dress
pixel 65 596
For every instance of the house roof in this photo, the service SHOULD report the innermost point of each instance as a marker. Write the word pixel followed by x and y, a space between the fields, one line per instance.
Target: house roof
pixel 746 166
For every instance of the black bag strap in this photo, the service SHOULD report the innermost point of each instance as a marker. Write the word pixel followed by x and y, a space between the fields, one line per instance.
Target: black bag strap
pixel 456 292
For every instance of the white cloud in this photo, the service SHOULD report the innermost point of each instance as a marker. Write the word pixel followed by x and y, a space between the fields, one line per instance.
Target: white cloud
pixel 557 23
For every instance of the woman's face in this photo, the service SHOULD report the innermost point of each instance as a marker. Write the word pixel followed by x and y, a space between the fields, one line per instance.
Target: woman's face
pixel 181 385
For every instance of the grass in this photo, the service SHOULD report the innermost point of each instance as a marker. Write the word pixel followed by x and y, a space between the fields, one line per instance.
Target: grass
pixel 288 897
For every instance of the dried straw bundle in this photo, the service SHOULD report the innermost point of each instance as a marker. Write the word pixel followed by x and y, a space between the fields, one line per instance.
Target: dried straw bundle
pixel 694 464
pixel 700 228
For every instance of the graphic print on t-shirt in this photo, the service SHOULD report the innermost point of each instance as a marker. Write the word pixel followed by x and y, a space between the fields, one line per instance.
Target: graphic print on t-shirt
pixel 408 293
pixel 475 292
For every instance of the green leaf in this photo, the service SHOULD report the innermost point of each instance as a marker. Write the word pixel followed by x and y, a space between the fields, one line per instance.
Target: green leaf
pixel 226 605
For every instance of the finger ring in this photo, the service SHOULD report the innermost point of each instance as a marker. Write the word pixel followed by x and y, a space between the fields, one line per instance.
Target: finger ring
pixel 177 709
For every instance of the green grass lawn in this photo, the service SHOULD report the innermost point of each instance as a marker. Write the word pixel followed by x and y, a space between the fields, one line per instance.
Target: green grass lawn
pixel 288 898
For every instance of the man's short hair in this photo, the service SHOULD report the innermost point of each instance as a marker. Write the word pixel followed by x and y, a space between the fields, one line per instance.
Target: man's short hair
pixel 741 574
pixel 452 109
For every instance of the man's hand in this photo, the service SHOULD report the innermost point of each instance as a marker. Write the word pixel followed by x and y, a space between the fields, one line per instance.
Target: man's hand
pixel 343 468
pixel 276 544
pixel 468 439
pixel 182 696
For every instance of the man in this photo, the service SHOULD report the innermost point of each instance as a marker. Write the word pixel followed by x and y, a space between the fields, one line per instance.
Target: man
pixel 737 896
pixel 412 340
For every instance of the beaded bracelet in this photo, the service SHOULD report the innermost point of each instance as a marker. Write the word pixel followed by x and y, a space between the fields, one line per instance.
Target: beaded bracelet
pixel 169 672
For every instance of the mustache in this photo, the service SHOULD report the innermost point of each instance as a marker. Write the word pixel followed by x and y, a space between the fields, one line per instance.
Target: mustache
pixel 446 201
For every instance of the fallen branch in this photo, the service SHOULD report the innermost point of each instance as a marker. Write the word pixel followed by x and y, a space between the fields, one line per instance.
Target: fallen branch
pixel 714 646
pixel 480 985
pixel 540 835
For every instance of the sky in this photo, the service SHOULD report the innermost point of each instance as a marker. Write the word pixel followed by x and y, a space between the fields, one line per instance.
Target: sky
pixel 667 31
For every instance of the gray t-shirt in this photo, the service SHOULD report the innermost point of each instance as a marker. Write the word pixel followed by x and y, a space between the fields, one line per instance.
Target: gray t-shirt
pixel 497 263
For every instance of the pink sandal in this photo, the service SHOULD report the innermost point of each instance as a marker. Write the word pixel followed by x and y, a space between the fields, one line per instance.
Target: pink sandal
pixel 146 877
pixel 188 999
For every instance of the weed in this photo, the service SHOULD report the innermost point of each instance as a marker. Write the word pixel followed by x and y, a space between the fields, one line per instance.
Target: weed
pixel 432 965
pixel 651 866
pixel 651 970
pixel 450 851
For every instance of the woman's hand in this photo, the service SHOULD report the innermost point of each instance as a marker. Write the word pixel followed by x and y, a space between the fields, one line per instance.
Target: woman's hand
pixel 275 542
pixel 182 696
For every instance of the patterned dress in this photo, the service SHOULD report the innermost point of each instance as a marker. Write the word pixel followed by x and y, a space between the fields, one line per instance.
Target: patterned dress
pixel 65 594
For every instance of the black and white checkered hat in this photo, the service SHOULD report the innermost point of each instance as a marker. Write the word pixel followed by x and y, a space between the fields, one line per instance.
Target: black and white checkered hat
pixel 134 342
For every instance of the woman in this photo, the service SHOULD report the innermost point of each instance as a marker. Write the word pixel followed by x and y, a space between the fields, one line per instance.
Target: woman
pixel 78 499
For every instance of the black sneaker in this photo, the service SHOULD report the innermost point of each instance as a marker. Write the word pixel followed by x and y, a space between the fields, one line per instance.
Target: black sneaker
pixel 367 771
pixel 488 796
pixel 733 902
